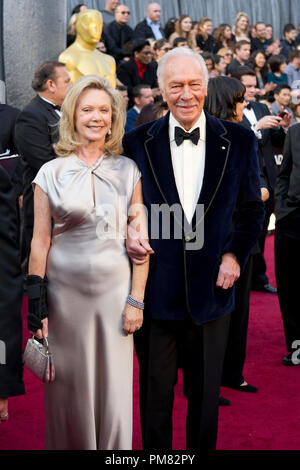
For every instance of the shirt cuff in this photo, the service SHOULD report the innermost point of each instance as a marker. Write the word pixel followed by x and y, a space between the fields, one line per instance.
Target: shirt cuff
pixel 256 131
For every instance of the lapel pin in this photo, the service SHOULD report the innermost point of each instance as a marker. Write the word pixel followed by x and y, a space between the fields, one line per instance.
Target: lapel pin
pixel 223 148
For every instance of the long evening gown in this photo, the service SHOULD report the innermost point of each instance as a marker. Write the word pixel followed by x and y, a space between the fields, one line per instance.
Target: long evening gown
pixel 89 405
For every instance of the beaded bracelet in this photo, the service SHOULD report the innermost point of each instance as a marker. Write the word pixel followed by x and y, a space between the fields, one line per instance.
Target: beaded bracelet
pixel 135 303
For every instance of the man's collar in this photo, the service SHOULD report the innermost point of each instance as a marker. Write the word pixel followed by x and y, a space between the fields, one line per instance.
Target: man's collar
pixel 47 101
pixel 201 123
pixel 151 23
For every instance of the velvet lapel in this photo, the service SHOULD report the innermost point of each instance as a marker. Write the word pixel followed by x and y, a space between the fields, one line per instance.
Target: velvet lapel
pixel 157 148
pixel 216 157
pixel 158 152
pixel 246 122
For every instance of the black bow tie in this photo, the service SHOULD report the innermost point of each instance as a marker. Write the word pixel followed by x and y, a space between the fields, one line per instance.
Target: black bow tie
pixel 249 105
pixel 181 135
pixel 55 106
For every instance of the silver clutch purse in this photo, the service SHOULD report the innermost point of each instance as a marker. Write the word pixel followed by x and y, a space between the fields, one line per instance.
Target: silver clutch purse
pixel 39 360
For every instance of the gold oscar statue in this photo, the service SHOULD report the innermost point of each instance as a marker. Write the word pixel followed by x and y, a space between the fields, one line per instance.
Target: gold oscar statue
pixel 82 58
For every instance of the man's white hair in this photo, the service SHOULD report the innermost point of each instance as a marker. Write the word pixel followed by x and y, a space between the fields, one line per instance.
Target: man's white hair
pixel 177 53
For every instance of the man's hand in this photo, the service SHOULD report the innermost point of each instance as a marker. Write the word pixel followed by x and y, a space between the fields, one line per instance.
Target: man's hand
pixel 269 122
pixel 286 120
pixel 264 194
pixel 229 271
pixel 137 246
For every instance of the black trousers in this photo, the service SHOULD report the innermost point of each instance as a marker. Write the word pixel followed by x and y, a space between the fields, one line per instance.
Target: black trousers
pixel 259 276
pixel 201 348
pixel 235 354
pixel 287 263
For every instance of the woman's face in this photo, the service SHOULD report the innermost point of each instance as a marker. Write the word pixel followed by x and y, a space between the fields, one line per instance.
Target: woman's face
pixel 227 32
pixel 260 60
pixel 93 116
pixel 164 49
pixel 243 23
pixel 207 27
pixel 228 57
pixel 209 64
pixel 282 67
pixel 269 32
pixel 239 110
pixel 186 25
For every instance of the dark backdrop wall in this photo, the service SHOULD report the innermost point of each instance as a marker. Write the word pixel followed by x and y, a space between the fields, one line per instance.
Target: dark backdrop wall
pixel 276 12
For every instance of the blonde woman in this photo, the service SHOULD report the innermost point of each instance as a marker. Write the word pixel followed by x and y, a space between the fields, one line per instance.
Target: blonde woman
pixel 183 27
pixel 81 205
pixel 241 29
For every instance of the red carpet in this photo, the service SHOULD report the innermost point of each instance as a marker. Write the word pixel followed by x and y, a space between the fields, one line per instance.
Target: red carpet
pixel 268 420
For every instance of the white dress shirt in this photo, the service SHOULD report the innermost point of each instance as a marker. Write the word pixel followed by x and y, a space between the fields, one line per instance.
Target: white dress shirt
pixel 250 115
pixel 155 29
pixel 53 104
pixel 188 162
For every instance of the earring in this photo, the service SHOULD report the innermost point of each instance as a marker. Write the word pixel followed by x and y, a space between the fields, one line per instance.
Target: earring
pixel 109 132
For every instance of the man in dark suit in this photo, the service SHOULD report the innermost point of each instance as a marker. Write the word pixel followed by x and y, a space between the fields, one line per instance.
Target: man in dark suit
pixel 150 27
pixel 268 132
pixel 193 175
pixel 287 243
pixel 139 69
pixel 118 32
pixel 242 51
pixel 142 95
pixel 36 130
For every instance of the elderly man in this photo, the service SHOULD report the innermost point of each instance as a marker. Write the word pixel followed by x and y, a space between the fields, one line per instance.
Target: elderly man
pixel 193 180
pixel 36 130
pixel 150 27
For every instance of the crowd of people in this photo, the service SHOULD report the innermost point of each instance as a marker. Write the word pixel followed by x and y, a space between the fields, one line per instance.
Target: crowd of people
pixel 207 111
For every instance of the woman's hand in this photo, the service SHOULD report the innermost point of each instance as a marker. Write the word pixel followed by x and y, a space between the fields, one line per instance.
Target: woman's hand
pixel 132 319
pixel 3 409
pixel 43 333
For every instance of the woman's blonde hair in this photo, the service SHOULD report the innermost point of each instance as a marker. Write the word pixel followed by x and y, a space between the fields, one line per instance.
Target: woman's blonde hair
pixel 68 142
pixel 235 29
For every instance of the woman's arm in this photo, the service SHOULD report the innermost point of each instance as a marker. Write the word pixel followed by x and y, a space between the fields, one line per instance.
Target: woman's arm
pixel 40 244
pixel 133 316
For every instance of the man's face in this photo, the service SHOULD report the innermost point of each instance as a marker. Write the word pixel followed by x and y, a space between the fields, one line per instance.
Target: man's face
pixel 184 90
pixel 122 14
pixel 291 35
pixel 283 98
pixel 145 98
pixel 144 57
pixel 153 12
pixel 250 83
pixel 60 86
pixel 261 31
pixel 243 53
pixel 111 5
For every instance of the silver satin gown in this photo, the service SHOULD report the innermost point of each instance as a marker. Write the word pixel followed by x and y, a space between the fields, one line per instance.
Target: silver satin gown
pixel 89 405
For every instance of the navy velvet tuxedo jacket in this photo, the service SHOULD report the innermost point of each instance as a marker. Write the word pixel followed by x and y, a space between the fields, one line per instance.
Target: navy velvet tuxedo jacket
pixel 182 281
